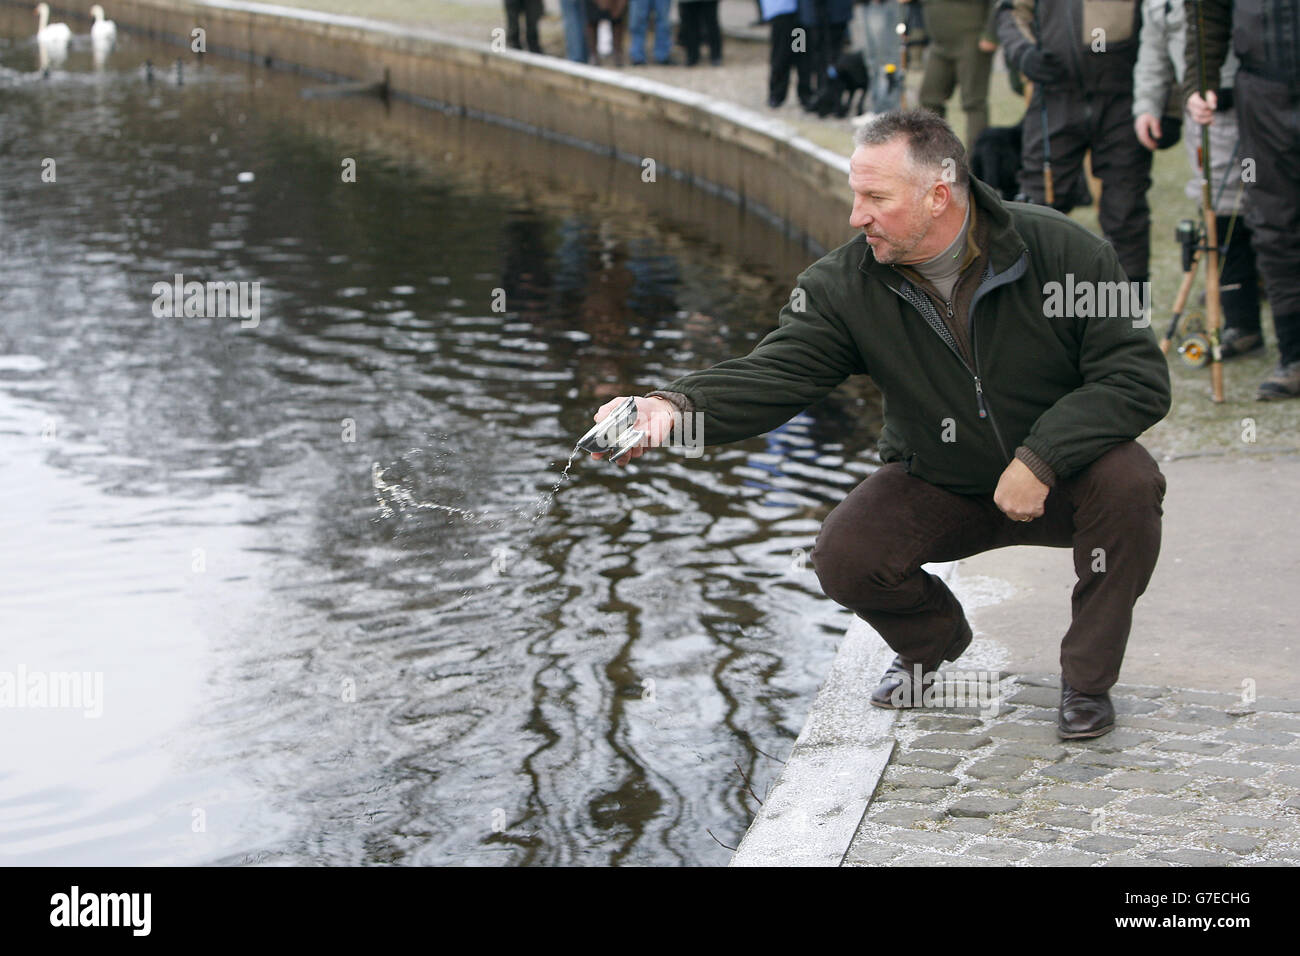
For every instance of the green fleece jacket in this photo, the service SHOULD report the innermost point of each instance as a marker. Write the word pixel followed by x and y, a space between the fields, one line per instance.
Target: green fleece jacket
pixel 1063 364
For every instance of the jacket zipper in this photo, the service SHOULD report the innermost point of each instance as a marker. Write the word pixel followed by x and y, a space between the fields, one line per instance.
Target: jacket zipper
pixel 979 387
pixel 981 405
pixel 1007 275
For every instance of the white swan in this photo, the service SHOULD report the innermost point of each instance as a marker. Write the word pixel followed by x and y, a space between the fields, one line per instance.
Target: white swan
pixel 51 34
pixel 102 32
pixel 51 40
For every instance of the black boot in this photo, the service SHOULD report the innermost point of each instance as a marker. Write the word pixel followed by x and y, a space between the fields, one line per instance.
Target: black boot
pixel 1285 380
pixel 1235 342
pixel 1083 715
pixel 905 681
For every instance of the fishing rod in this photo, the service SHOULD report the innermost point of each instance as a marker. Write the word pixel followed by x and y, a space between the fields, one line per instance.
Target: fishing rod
pixel 1049 189
pixel 1190 235
pixel 1213 307
pixel 901 77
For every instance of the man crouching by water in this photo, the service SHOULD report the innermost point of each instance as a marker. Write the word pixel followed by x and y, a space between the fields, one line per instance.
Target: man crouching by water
pixel 1005 422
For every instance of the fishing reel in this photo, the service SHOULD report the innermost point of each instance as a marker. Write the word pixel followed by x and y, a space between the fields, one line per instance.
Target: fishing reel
pixel 1195 349
pixel 1191 238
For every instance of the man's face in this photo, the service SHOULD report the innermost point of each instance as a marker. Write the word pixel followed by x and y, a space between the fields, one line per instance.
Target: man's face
pixel 889 206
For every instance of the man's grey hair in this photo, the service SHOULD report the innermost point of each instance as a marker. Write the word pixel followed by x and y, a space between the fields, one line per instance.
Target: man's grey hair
pixel 932 146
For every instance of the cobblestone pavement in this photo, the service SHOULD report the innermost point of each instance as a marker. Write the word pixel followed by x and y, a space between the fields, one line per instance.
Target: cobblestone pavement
pixel 1186 777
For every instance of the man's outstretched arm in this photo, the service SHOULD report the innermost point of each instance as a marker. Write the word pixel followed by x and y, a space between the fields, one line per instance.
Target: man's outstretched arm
pixel 798 363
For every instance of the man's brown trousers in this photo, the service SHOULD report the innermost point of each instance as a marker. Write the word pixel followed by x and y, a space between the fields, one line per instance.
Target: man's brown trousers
pixel 869 553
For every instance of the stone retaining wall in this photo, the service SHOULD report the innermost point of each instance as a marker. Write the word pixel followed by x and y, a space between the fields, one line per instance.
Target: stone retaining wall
pixel 756 162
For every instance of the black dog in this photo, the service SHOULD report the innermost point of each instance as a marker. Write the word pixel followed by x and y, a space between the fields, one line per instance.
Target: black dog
pixel 847 77
pixel 996 158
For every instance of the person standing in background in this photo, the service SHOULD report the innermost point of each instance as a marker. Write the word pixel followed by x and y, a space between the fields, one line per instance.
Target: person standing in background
pixel 575 29
pixel 963 37
pixel 1080 57
pixel 639 14
pixel 1159 77
pixel 881 47
pixel 1265 34
pixel 827 23
pixel 700 22
pixel 783 15
pixel 615 11
pixel 532 12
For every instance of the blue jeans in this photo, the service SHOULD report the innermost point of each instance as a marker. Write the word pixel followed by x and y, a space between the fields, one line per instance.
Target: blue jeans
pixel 882 47
pixel 639 19
pixel 575 26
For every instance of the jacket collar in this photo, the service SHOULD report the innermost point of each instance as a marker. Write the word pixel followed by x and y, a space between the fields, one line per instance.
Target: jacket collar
pixel 1005 244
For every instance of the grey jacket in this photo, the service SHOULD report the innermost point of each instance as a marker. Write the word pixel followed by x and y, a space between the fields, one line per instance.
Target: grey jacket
pixel 1161 63
pixel 1159 75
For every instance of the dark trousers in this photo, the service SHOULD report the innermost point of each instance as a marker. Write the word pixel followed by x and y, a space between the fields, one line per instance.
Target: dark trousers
pixel 955 60
pixel 1102 122
pixel 825 43
pixel 699 19
pixel 532 12
pixel 1269 118
pixel 1238 281
pixel 869 553
pixel 783 57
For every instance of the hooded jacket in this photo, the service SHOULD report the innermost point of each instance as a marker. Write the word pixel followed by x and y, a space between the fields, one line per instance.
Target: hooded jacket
pixel 1061 364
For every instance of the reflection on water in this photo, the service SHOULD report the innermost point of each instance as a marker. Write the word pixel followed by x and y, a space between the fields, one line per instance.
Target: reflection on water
pixel 338 615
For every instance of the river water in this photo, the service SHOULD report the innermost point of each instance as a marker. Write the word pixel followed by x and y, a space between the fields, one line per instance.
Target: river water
pixel 333 615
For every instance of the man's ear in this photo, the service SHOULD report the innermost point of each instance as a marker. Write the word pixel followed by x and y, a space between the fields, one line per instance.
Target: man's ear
pixel 940 198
